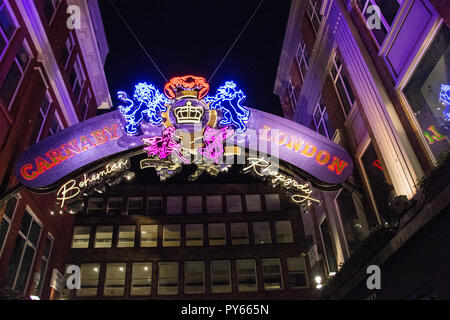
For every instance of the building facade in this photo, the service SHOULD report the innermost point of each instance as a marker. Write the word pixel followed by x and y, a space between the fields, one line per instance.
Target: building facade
pixel 51 77
pixel 373 76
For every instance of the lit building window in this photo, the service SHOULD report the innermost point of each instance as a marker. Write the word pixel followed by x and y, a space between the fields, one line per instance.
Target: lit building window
pixel 168 278
pixel 246 275
pixel 194 277
pixel 8 26
pixel 214 204
pixel 283 232
pixel 194 204
pixel 302 59
pixel 126 236
pixel 14 75
pixel 49 8
pixel 342 85
pixel 141 279
pixel 297 272
pixel 253 202
pixel 261 232
pixel 239 233
pixel 114 207
pixel 23 254
pixel 272 202
pixel 154 206
pixel 322 122
pixel 314 13
pixel 217 234
pixel 220 276
pixel 194 235
pixel 95 206
pixel 7 211
pixel 149 236
pixel 115 280
pixel 388 11
pixel 174 205
pixel 272 274
pixel 234 203
pixel 89 279
pixel 81 236
pixel 103 237
pixel 171 235
pixel 135 206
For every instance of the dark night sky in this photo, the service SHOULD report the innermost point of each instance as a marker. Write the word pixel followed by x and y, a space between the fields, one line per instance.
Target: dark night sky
pixel 191 37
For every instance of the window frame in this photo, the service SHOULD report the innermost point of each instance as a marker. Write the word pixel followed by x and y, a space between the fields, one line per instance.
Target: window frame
pixel 9 220
pixel 255 272
pixel 40 285
pixel 264 275
pixel 7 6
pixel 186 263
pixel 230 285
pixel 314 13
pixel 338 77
pixel 302 56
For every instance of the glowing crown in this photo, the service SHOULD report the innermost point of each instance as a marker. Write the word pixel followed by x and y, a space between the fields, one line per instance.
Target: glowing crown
pixel 189 113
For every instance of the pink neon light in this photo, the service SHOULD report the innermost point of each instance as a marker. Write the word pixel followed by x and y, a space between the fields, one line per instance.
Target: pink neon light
pixel 377 164
pixel 164 145
pixel 213 140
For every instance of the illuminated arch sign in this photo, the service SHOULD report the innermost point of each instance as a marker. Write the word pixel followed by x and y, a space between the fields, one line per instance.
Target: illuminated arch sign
pixel 155 121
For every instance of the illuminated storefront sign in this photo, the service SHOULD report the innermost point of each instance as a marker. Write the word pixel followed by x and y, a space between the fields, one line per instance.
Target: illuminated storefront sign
pixel 188 125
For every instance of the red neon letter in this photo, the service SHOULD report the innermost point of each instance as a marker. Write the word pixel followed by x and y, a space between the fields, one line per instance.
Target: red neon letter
pixel 55 156
pixel 86 143
pixel 337 165
pixel 100 136
pixel 25 173
pixel 112 131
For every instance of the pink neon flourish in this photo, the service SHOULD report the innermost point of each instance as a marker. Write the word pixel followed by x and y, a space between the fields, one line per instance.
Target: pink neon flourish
pixel 164 145
pixel 213 140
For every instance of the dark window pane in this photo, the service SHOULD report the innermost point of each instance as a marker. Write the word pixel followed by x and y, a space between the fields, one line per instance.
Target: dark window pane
pixel 9 85
pixel 25 269
pixel 4 225
pixel 388 9
pixel 48 247
pixel 328 243
pixel 23 57
pixel 343 96
pixel 15 260
pixel 349 216
pixel 10 207
pixel 2 45
pixel 48 10
pixel 328 125
pixel 6 22
pixel 26 221
pixel 37 128
pixel 35 231
pixel 349 88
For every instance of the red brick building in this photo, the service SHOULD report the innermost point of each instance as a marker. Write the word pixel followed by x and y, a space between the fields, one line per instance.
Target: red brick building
pixel 51 77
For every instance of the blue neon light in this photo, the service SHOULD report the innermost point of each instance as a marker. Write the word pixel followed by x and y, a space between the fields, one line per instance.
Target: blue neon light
pixel 444 97
pixel 150 103
pixel 228 99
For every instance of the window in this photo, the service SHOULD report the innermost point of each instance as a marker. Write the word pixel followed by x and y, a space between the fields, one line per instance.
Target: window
pixel 314 13
pixel 44 263
pixel 14 75
pixel 95 206
pixel 217 234
pixel 114 207
pixel 126 236
pixel 302 59
pixel 239 233
pixel 194 277
pixel 246 275
pixel 194 235
pixel 103 237
pixel 8 26
pixel 38 129
pixel 135 206
pixel 76 78
pixel 272 274
pixel 214 204
pixel 171 235
pixel 386 16
pixel 329 247
pixel 89 279
pixel 261 231
pixel 22 256
pixel 194 204
pixel 141 279
pixel 168 278
pixel 253 202
pixel 297 272
pixel 149 236
pixel 272 202
pixel 220 276
pixel 428 95
pixel 342 85
pixel 49 8
pixel 85 105
pixel 115 279
pixel 81 236
pixel 154 206
pixel 55 124
pixel 234 203
pixel 322 122
pixel 292 96
pixel 283 232
pixel 67 50
pixel 7 210
pixel 174 205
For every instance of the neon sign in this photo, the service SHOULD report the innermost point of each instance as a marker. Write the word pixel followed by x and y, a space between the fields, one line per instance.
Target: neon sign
pixel 435 137
pixel 213 140
pixel 164 145
pixel 444 98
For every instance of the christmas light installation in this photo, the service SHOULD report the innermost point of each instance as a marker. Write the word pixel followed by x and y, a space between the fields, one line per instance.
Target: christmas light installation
pixel 444 98
pixel 228 99
pixel 164 145
pixel 149 104
pixel 186 83
pixel 214 140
